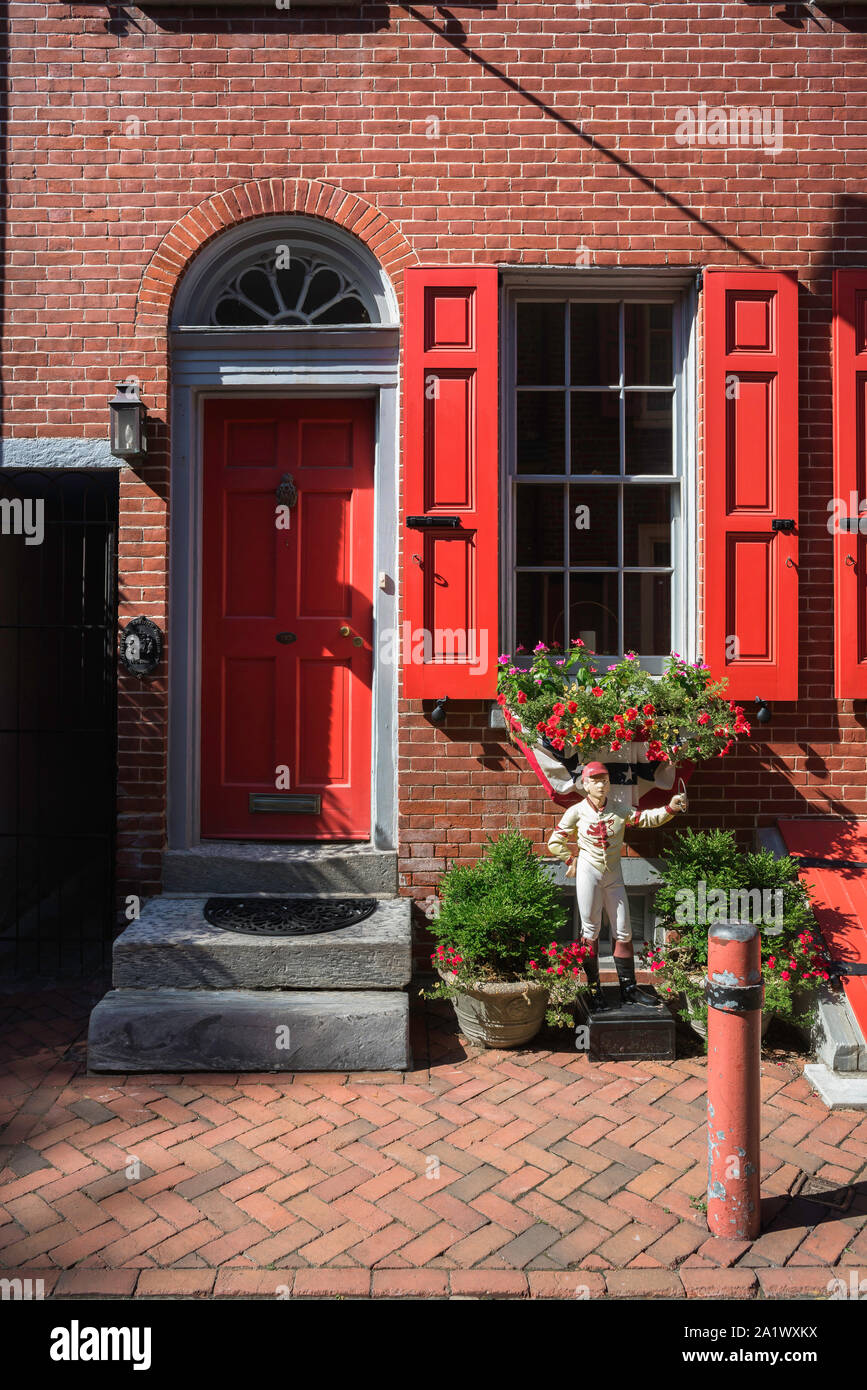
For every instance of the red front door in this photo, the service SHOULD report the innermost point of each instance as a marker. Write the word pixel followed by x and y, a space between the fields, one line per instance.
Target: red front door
pixel 287 619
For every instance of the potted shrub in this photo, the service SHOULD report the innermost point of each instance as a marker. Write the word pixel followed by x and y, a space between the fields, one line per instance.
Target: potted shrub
pixel 497 957
pixel 707 879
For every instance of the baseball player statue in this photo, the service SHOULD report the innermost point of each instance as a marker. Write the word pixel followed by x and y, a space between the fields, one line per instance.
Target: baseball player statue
pixel 598 823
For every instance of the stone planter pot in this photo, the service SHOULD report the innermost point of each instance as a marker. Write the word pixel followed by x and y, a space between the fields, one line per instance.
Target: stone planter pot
pixel 500 1014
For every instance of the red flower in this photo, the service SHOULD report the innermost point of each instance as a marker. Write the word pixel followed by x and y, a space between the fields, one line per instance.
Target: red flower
pixel 522 698
pixel 597 691
pixel 632 713
pixel 627 734
pixel 615 744
pixel 772 960
pixel 572 707
pixel 704 718
pixel 784 974
pixel 648 709
pixel 501 699
pixel 559 709
pixel 606 730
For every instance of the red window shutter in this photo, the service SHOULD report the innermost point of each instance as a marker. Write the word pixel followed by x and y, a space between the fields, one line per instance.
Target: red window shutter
pixel 850 483
pixel 750 481
pixel 450 618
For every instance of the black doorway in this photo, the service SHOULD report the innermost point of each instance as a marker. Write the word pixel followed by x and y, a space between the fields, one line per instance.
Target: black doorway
pixel 58 643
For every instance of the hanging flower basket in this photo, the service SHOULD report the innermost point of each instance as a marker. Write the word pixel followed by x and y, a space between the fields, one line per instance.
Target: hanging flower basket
pixel 563 712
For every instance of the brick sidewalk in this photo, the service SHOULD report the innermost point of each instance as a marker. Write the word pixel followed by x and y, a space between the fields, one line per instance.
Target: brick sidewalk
pixel 478 1173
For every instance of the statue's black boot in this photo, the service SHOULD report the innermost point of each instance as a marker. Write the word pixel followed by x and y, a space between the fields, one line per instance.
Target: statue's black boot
pixel 630 992
pixel 597 1001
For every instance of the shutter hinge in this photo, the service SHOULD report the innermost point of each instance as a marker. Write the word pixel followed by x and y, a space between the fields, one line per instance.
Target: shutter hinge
pixel 699 281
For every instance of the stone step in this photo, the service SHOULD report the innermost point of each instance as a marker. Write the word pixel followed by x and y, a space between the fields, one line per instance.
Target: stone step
pixel 172 946
pixel 243 866
pixel 837 1038
pixel 839 1090
pixel 183 1030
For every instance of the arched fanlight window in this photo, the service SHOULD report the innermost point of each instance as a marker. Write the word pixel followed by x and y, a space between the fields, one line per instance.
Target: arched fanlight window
pixel 289 289
pixel 279 272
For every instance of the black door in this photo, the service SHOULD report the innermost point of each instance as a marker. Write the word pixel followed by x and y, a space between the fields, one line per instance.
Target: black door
pixel 58 614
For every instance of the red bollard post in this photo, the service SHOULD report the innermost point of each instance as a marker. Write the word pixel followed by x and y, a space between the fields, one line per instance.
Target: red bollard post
pixel 734 1048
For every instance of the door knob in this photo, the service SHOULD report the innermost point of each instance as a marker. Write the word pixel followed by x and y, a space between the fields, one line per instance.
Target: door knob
pixel 285 637
pixel 344 630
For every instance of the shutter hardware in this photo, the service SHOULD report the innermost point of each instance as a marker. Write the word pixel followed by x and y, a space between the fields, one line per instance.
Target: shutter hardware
pixel 420 523
pixel 782 523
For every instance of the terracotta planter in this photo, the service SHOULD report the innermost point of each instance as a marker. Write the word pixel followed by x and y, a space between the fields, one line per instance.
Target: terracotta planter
pixel 500 1014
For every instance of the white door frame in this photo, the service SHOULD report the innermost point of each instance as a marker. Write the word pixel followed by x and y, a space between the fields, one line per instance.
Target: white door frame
pixel 209 363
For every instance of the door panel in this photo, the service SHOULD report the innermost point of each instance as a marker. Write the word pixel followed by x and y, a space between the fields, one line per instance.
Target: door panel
pixel 301 703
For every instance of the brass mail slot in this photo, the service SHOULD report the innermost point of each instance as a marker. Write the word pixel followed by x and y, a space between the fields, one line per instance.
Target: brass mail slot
pixel 287 803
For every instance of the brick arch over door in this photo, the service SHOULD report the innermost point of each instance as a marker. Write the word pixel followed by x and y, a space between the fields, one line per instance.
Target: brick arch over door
pixel 198 227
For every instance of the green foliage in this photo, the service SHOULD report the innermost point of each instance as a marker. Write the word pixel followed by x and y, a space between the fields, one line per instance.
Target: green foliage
pixel 501 911
pixel 567 699
pixel 794 962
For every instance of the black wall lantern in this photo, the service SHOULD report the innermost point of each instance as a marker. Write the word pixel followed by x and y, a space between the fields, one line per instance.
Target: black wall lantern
pixel 128 421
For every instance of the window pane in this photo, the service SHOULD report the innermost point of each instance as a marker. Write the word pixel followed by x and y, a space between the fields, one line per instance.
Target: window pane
pixel 539 525
pixel 649 345
pixel 595 355
pixel 541 344
pixel 541 432
pixel 595 432
pixel 593 611
pixel 593 532
pixel 647 525
pixel 649 442
pixel 538 609
pixel 647 613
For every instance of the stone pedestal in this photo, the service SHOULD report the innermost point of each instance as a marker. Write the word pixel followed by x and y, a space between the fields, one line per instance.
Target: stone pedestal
pixel 630 1032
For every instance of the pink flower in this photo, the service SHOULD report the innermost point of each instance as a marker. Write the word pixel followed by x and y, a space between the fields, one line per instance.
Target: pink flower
pixel 576 642
pixel 784 974
pixel 540 647
pixel 503 660
pixel 519 648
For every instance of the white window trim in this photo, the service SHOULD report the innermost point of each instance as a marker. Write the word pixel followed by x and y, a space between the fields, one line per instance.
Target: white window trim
pixel 677 288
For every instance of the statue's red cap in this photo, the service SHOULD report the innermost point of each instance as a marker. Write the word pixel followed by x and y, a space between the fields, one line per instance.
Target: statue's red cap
pixel 595 769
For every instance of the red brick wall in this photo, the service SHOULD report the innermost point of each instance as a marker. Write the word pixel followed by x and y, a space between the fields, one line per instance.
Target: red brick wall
pixel 556 133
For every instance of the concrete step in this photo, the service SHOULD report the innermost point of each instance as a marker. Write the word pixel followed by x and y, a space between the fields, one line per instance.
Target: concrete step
pixel 837 1038
pixel 243 866
pixel 172 946
pixel 839 1090
pixel 180 1030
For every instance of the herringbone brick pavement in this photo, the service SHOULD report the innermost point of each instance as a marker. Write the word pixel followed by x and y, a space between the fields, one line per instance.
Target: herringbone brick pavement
pixel 477 1174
